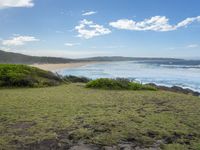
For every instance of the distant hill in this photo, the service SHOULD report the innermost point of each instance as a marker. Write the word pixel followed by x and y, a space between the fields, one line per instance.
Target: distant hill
pixel 121 58
pixel 16 58
pixel 147 60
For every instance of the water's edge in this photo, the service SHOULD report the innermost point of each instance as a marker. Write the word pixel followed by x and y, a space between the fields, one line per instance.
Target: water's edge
pixel 184 76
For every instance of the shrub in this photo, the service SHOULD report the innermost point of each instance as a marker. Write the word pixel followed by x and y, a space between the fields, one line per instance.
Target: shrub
pixel 117 84
pixel 25 76
pixel 75 79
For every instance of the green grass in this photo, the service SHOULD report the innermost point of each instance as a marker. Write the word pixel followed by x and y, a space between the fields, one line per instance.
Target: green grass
pixel 118 84
pixel 25 76
pixel 72 113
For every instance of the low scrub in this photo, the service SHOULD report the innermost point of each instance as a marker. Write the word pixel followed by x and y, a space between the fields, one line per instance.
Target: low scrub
pixel 75 79
pixel 117 84
pixel 12 75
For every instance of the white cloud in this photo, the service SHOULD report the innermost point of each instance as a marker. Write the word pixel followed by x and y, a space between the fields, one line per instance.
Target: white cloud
pixel 192 46
pixel 16 3
pixel 19 40
pixel 156 23
pixel 72 44
pixel 88 13
pixel 187 21
pixel 88 29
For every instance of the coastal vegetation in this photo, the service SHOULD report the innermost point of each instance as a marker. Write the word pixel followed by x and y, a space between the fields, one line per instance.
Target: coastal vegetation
pixel 24 76
pixel 75 79
pixel 118 84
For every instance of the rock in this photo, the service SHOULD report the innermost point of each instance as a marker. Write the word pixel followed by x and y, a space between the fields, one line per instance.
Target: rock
pixel 110 148
pixel 84 147
pixel 176 89
pixel 125 147
pixel 150 148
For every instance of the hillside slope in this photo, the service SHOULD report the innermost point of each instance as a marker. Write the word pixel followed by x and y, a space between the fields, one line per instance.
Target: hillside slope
pixel 72 116
pixel 25 76
pixel 16 58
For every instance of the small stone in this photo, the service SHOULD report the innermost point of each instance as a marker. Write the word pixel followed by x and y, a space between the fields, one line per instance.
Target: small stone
pixel 84 147
pixel 110 148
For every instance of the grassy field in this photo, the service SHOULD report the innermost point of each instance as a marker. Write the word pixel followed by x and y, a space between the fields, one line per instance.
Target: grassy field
pixel 72 115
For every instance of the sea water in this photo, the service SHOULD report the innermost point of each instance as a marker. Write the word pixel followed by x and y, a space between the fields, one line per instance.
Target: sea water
pixel 160 74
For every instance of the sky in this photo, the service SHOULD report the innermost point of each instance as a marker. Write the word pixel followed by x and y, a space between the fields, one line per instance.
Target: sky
pixel 87 28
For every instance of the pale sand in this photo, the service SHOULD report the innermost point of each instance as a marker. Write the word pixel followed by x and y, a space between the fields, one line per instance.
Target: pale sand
pixel 54 67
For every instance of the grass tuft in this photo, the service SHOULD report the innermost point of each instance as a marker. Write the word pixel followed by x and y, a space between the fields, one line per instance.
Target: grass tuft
pixel 76 79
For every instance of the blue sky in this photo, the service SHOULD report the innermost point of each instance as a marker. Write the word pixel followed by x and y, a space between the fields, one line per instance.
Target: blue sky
pixel 85 28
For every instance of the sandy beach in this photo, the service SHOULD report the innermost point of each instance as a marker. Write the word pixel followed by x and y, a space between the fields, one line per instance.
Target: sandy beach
pixel 53 67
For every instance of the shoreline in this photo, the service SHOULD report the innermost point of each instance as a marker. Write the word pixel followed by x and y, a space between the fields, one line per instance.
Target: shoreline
pixel 176 89
pixel 54 67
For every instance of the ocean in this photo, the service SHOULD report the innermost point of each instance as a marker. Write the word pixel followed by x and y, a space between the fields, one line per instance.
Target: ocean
pixel 186 76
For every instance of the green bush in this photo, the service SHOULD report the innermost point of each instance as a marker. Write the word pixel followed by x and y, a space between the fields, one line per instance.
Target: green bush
pixel 117 84
pixel 75 79
pixel 24 76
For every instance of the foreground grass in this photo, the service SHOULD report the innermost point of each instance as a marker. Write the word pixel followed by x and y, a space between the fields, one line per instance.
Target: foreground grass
pixel 70 113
